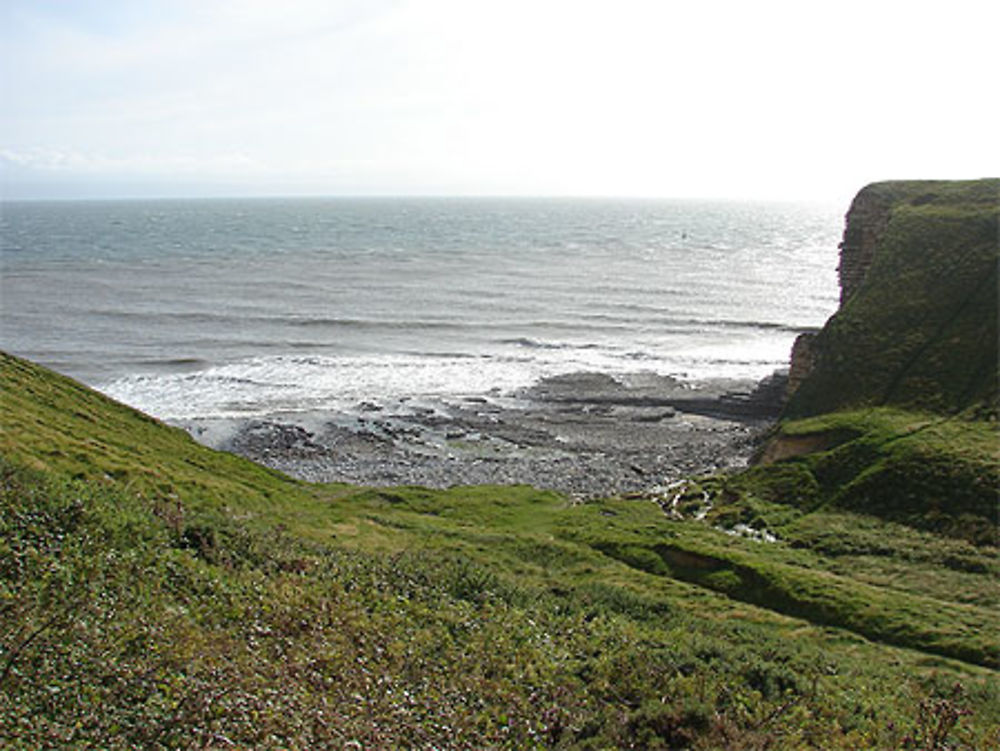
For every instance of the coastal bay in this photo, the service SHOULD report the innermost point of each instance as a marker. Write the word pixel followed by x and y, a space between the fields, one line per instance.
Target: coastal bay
pixel 837 593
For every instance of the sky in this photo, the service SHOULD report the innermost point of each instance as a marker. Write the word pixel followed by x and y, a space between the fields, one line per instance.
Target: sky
pixel 700 98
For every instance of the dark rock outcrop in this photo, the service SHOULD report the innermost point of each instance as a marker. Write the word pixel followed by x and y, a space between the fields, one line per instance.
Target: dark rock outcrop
pixel 865 223
pixel 802 362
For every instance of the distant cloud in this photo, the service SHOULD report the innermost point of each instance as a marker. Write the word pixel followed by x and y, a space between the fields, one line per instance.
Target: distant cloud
pixel 55 160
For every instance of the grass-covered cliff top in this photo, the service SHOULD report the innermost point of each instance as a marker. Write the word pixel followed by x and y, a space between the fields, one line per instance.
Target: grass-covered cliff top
pixel 957 193
pixel 158 594
pixel 921 329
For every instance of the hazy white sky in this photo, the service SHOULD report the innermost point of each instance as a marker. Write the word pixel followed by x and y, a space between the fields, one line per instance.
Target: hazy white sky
pixel 699 98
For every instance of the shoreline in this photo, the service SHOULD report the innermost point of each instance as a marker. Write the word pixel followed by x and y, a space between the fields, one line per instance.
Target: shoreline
pixel 584 434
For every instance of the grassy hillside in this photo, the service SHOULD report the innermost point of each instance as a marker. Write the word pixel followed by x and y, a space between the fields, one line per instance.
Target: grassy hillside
pixel 921 330
pixel 57 425
pixel 157 594
pixel 927 471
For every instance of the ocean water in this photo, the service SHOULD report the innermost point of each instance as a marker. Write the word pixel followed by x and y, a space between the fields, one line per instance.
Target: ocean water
pixel 221 308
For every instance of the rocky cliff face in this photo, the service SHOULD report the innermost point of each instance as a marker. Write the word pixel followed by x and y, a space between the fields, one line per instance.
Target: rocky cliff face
pixel 802 362
pixel 917 323
pixel 866 221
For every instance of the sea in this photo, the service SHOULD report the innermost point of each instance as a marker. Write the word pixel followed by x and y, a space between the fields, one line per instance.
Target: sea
pixel 218 308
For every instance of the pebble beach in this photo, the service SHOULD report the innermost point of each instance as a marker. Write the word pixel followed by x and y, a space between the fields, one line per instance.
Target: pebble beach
pixel 583 434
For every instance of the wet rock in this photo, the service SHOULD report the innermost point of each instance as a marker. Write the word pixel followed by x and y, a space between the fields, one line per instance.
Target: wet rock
pixel 582 448
pixel 655 416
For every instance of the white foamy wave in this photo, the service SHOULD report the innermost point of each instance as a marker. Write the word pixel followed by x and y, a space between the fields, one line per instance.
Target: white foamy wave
pixel 279 384
pixel 268 385
pixel 750 358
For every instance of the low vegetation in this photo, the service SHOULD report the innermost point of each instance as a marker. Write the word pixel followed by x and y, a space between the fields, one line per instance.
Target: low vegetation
pixel 156 594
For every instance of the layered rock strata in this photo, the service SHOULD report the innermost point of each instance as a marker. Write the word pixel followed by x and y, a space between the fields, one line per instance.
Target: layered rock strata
pixel 865 223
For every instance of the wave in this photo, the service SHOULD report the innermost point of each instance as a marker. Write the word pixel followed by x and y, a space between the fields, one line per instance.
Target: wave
pixel 266 385
pixel 182 316
pixel 746 324
pixel 664 321
pixel 192 362
pixel 446 355
pixel 295 320
pixel 529 343
pixel 323 383
pixel 622 318
pixel 369 323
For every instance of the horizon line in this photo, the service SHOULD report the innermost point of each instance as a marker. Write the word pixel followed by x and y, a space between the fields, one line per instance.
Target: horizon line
pixel 411 196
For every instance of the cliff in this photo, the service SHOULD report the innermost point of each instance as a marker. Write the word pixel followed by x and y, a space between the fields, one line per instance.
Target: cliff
pixel 892 404
pixel 917 324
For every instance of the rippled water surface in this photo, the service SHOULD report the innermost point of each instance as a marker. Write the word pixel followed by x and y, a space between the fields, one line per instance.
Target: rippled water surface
pixel 219 307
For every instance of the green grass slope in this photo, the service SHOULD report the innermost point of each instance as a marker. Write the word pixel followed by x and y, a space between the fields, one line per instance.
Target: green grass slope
pixel 156 594
pixel 59 425
pixel 931 472
pixel 63 428
pixel 921 331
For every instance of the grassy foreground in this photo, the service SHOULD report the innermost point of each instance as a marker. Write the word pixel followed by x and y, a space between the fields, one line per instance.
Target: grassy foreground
pixel 156 594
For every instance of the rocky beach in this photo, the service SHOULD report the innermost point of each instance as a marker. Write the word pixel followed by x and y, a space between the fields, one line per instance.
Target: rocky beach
pixel 584 434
